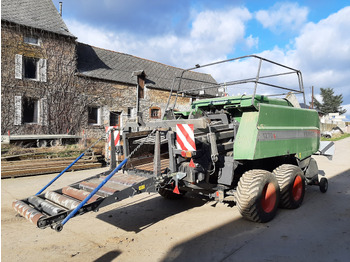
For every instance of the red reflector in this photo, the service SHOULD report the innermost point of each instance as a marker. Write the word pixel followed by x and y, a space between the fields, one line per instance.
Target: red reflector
pixel 183 153
pixel 192 163
pixel 176 190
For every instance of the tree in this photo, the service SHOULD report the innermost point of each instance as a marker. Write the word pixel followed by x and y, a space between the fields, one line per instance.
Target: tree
pixel 62 99
pixel 331 103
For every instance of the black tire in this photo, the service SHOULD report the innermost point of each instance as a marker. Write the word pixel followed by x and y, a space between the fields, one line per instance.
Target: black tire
pixel 258 195
pixel 291 180
pixel 169 194
pixel 323 185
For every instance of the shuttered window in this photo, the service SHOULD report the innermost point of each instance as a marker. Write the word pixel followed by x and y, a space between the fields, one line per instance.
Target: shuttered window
pixel 30 111
pixel 30 68
pixel 18 111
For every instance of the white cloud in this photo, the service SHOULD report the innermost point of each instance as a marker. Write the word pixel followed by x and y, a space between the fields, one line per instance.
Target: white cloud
pixel 252 41
pixel 347 113
pixel 321 50
pixel 212 35
pixel 283 17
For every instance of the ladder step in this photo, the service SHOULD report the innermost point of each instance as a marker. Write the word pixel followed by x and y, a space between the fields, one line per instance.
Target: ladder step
pixel 90 186
pixel 29 213
pixel 62 200
pixel 125 179
pixel 79 194
pixel 45 206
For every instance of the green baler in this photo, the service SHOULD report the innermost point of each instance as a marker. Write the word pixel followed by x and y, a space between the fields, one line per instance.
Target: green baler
pixel 251 150
pixel 254 150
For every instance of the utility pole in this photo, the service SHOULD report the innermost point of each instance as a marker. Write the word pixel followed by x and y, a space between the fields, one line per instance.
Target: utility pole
pixel 312 97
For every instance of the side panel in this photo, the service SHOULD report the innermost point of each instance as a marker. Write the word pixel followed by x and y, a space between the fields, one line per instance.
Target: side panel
pixel 245 141
pixel 281 131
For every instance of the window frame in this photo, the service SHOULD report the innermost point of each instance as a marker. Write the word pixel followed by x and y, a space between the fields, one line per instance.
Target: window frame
pixel 36 61
pixel 131 112
pixel 98 115
pixel 151 113
pixel 114 114
pixel 26 39
pixel 36 111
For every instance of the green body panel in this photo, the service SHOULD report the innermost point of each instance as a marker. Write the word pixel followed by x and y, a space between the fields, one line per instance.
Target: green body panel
pixel 244 146
pixel 278 130
pixel 238 101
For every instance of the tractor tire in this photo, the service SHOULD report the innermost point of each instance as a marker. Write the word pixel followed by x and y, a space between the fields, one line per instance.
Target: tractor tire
pixel 292 185
pixel 169 194
pixel 257 195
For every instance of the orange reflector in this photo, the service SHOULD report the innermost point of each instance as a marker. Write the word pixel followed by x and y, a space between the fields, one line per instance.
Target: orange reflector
pixel 186 154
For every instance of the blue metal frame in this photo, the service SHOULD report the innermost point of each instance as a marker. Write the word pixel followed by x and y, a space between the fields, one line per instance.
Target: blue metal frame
pixel 94 192
pixel 60 174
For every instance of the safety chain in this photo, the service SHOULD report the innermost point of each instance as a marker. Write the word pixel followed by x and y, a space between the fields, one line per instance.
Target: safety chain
pixel 137 148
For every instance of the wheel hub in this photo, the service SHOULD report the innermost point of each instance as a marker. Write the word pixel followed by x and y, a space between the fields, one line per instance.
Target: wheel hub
pixel 269 198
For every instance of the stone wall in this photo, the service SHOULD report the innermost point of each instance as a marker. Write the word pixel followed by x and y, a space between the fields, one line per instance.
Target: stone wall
pixel 56 63
pixel 62 95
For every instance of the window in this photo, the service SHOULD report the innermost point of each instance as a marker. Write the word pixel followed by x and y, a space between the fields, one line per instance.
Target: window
pixel 114 118
pixel 30 110
pixel 131 112
pixel 93 115
pixel 31 40
pixel 155 112
pixel 30 67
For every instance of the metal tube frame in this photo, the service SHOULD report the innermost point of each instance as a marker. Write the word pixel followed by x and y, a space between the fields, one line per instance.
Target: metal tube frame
pixel 68 167
pixel 243 81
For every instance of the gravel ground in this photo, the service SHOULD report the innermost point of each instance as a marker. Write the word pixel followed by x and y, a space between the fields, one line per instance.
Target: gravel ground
pixel 150 228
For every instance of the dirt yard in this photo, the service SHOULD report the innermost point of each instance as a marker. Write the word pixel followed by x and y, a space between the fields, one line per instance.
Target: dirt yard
pixel 150 228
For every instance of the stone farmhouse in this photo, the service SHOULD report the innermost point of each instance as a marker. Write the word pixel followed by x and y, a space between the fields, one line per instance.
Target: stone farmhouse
pixel 52 84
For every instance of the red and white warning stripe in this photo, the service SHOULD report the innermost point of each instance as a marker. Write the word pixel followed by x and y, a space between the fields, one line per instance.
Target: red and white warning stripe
pixel 185 137
pixel 117 135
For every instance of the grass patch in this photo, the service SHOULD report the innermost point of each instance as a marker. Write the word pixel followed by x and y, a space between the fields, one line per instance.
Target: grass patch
pixel 335 137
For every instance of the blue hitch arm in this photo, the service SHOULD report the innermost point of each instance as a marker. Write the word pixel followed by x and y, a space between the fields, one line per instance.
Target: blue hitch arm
pixel 60 174
pixel 68 167
pixel 59 227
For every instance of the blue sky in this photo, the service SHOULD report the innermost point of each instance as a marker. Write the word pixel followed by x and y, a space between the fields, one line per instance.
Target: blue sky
pixel 310 35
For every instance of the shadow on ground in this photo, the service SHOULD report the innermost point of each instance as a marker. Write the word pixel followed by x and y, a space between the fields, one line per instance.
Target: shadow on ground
pixel 108 256
pixel 140 214
pixel 304 234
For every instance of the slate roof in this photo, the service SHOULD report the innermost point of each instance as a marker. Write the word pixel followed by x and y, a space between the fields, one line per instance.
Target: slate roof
pixel 119 67
pixel 40 14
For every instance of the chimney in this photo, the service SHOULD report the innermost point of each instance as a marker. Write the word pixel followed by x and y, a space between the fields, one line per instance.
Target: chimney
pixel 60 8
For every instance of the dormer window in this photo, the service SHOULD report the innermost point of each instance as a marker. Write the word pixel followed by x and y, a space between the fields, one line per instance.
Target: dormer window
pixel 141 85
